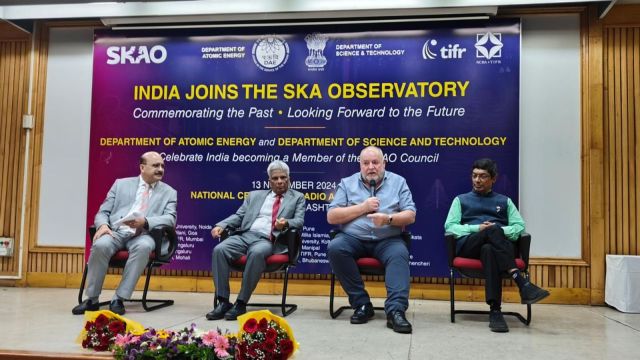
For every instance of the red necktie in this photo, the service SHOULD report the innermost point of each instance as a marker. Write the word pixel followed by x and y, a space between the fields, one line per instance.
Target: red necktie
pixel 274 214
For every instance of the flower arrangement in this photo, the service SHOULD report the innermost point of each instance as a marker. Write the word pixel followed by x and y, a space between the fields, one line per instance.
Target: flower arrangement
pixel 262 336
pixel 102 328
pixel 166 344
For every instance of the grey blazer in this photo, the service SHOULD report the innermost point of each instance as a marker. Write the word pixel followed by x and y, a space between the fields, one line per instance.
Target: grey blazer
pixel 292 208
pixel 122 195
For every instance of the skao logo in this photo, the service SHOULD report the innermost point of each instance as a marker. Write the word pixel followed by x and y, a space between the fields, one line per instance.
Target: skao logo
pixel 136 55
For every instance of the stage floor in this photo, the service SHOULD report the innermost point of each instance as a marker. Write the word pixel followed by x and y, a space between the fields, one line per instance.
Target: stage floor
pixel 40 320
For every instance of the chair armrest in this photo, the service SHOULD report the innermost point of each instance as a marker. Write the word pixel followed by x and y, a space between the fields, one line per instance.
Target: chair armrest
pixel 523 247
pixel 161 233
pixel 224 234
pixel 291 237
pixel 406 237
pixel 228 231
pixel 451 247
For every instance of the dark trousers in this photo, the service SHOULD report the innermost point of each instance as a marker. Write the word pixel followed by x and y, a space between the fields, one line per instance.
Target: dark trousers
pixel 496 253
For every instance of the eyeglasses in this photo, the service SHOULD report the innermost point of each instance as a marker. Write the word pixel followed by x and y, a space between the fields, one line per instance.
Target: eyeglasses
pixel 482 177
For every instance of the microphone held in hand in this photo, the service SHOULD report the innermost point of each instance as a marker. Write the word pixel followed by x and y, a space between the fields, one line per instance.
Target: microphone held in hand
pixel 372 187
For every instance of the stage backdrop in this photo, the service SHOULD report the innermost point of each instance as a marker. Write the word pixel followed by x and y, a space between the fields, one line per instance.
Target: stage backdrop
pixel 220 106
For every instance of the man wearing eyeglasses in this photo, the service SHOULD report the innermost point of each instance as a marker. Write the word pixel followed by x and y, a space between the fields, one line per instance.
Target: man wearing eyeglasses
pixel 485 225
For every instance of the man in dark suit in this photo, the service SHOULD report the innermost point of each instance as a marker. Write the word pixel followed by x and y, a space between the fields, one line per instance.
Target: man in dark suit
pixel 261 218
pixel 147 202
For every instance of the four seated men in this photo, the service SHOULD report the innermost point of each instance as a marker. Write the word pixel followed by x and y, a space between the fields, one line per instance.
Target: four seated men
pixel 372 207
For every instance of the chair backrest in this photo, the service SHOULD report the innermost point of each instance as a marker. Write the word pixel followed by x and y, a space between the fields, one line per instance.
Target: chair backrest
pixel 161 234
pixel 293 239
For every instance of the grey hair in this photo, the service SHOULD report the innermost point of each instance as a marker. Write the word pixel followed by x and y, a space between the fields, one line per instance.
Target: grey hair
pixel 277 165
pixel 375 149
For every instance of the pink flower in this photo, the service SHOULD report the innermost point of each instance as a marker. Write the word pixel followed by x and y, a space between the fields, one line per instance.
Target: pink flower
pixel 122 340
pixel 218 342
pixel 221 343
pixel 209 337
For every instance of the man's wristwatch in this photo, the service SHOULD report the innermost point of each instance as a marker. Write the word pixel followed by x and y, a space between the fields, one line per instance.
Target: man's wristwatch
pixel 390 220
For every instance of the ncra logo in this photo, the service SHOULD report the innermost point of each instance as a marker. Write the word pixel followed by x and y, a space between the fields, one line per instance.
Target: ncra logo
pixel 136 54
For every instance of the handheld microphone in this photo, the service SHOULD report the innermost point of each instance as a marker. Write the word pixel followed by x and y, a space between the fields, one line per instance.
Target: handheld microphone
pixel 372 187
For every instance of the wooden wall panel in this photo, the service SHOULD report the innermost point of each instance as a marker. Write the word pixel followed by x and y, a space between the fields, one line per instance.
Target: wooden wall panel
pixel 622 133
pixel 13 99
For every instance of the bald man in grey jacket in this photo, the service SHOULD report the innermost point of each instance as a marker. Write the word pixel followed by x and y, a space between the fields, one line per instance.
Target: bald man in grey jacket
pixel 147 202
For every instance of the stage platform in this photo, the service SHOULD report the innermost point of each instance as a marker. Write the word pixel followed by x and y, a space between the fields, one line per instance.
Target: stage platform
pixel 37 323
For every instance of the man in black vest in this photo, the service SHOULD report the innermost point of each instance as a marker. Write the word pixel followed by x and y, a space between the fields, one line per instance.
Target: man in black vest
pixel 485 225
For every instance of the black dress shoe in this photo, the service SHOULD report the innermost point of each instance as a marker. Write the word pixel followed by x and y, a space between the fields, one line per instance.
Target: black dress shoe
pixel 86 305
pixel 496 321
pixel 398 322
pixel 531 294
pixel 117 306
pixel 237 310
pixel 218 312
pixel 362 314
